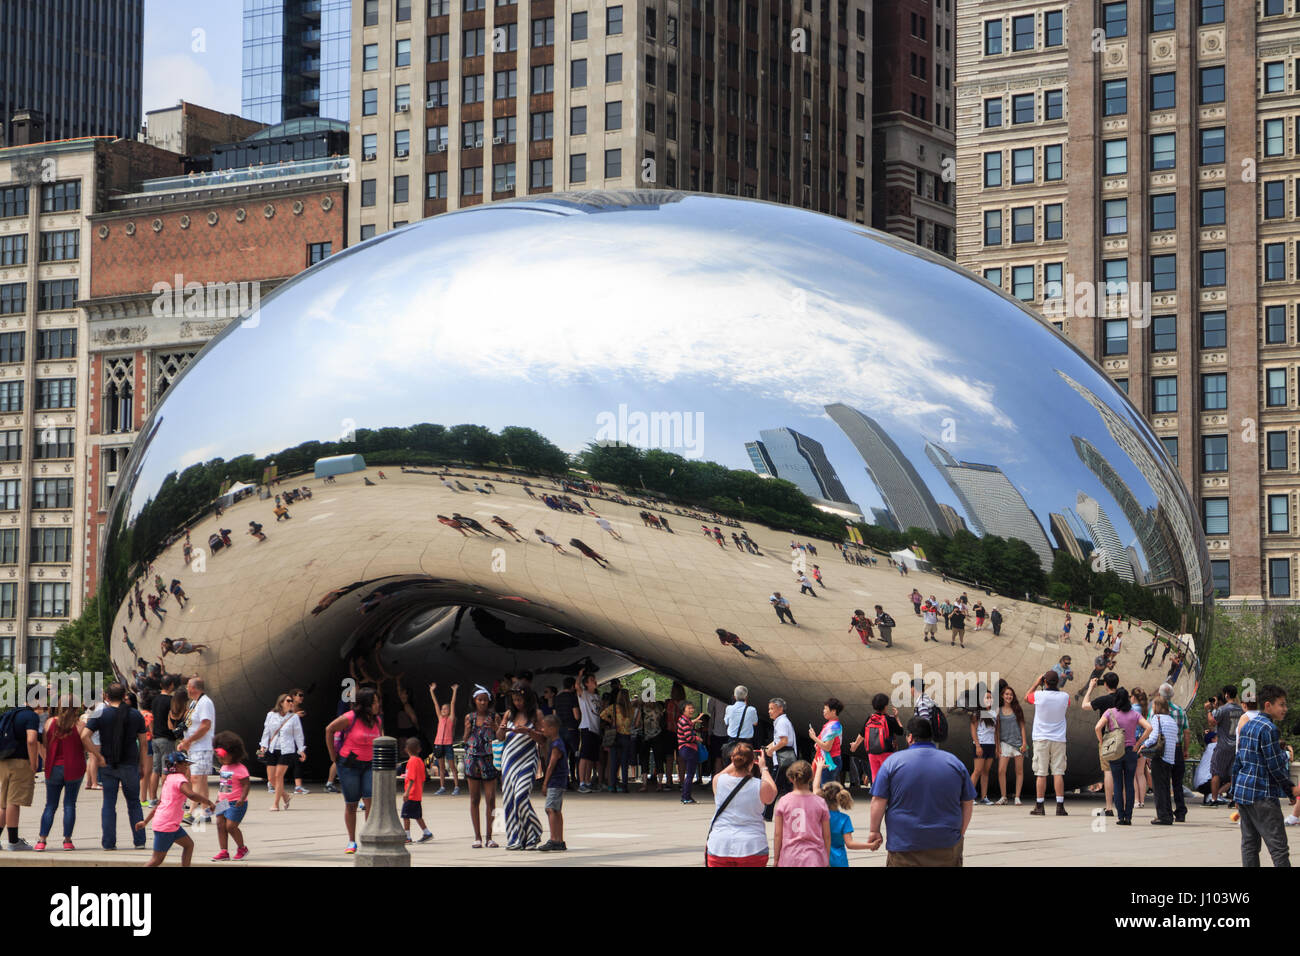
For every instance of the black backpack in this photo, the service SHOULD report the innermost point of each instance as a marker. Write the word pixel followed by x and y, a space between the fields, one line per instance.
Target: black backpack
pixel 10 746
pixel 886 620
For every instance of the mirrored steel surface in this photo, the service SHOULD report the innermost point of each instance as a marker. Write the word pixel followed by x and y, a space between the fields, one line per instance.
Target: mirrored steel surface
pixel 875 377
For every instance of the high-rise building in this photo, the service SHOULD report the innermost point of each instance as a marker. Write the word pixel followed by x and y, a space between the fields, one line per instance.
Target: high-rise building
pixel 1106 542
pixel 45 238
pixel 896 479
pixel 486 100
pixel 992 503
pixel 800 460
pixel 78 64
pixel 1065 537
pixel 1163 133
pixel 912 105
pixel 884 519
pixel 955 521
pixel 296 57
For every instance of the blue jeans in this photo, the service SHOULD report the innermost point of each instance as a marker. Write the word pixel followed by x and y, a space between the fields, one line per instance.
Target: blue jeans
pixel 127 776
pixel 54 786
pixel 620 755
pixel 689 759
pixel 1123 772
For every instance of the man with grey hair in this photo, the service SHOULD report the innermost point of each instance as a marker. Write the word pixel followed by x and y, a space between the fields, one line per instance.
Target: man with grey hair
pixel 200 728
pixel 740 720
pixel 781 750
pixel 1180 751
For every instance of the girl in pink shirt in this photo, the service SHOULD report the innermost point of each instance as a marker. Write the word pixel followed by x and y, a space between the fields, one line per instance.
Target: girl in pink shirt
pixel 233 794
pixel 166 817
pixel 803 822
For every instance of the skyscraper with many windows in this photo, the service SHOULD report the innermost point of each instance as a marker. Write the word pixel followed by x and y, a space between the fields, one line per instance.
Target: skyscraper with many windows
pixel 786 453
pixel 79 63
pixel 296 58
pixel 1130 168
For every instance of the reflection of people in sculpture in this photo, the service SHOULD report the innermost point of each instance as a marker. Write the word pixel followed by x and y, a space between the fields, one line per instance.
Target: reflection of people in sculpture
pixel 727 638
pixel 805 584
pixel 473 525
pixel 547 539
pixel 181 647
pixel 862 624
pixel 606 526
pixel 282 513
pixel 587 550
pixel 782 607
pixel 453 524
pixel 664 522
pixel 382 476
pixel 158 611
pixel 255 530
pixel 507 527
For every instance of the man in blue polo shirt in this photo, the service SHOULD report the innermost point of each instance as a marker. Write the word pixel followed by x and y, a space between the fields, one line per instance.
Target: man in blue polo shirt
pixel 925 795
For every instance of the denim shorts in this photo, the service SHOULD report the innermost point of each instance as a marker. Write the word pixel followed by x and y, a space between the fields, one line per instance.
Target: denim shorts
pixel 234 813
pixel 162 842
pixel 444 752
pixel 354 781
pixel 555 799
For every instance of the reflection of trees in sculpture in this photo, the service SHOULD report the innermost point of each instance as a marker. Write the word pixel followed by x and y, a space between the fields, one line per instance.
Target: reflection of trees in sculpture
pixel 1077 583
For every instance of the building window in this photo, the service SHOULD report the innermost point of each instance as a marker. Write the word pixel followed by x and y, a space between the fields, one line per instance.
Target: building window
pixel 992 37
pixel 1162 15
pixel 13 201
pixel 1274 137
pixel 436 139
pixel 11 396
pixel 1212 84
pixel 437 94
pixel 1053 162
pixel 1022 33
pixel 1278 452
pixel 316 251
pixel 578 26
pixel 1022 108
pixel 1213 150
pixel 1054 28
pixel 1022 283
pixel 1114 17
pixel 367 192
pixel 403 57
pixel 1164 333
pixel 56 344
pixel 1279 576
pixel 1162 150
pixel 993 277
pixel 1279 513
pixel 13 249
pixel 370 57
pixel 46 600
pixel 1214 267
pixel 993 112
pixel 1164 394
pixel 9 545
pixel 1053 221
pixel 52 493
pixel 56 393
pixel 1213 207
pixel 1022 224
pixel 503 177
pixel 1274 8
pixel 614 68
pixel 370 13
pixel 505 85
pixel 577 167
pixel 1164 273
pixel 12 346
pixel 1211 12
pixel 542 126
pixel 504 128
pixel 472 88
pixel 1275 325
pixel 540 174
pixel 1115 157
pixel 471 181
pixel 1221 578
pixel 53 443
pixel 369 102
pixel 435 185
pixel 577 120
pixel 61 197
pixel 58 246
pixel 613 163
pixel 1053 279
pixel 402 97
pixel 992 169
pixel 1115 97
pixel 1170 445
pixel 1115 274
pixel 402 143
pixel 1117 337
pixel 1275 77
pixel 1163 96
pixel 11 449
pixel 1276 388
pixel 613 115
pixel 544 31
pixel 403 11
pixel 1214 330
pixel 1053 104
pixel 1274 199
pixel 1274 262
pixel 401 189
pixel 56 294
pixel 1215 512
pixel 1022 166
pixel 1214 453
pixel 544 78
pixel 1163 212
pixel 367 231
pixel 993 227
pixel 1115 214
pixel 613 21
pixel 1214 392
pixel 577 74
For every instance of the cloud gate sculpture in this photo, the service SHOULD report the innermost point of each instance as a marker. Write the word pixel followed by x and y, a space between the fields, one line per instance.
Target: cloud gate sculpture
pixel 609 375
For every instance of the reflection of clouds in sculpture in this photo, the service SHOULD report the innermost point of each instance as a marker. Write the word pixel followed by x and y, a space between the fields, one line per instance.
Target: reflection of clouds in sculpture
pixel 662 285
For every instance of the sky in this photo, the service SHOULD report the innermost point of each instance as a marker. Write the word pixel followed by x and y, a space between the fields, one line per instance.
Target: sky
pixel 192 52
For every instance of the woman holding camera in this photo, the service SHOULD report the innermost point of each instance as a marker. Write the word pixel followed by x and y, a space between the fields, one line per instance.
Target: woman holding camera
pixel 738 834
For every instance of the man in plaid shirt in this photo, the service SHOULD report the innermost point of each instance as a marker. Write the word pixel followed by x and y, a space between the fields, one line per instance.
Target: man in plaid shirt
pixel 1180 752
pixel 1261 773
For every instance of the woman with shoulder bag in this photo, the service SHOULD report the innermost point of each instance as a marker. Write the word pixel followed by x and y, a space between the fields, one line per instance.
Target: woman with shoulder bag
pixel 738 833
pixel 1159 749
pixel 282 742
pixel 359 726
pixel 1120 723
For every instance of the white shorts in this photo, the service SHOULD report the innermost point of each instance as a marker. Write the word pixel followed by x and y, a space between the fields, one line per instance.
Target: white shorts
pixel 200 763
pixel 1006 750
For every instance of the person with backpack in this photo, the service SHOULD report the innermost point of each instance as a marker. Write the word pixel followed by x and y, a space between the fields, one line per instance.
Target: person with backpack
pixel 66 743
pixel 879 733
pixel 19 758
pixel 1123 716
pixel 124 744
pixel 885 624
pixel 738 833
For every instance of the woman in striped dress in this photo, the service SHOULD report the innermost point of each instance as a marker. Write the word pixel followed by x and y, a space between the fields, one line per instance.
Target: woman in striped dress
pixel 518 770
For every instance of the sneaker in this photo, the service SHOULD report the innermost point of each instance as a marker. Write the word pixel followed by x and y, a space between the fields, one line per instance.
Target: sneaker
pixel 1109 813
pixel 1002 802
pixel 1018 803
pixel 455 792
pixel 188 820
pixel 221 855
pixel 330 788
pixel 17 847
pixel 440 791
pixel 408 838
pixel 687 800
pixel 241 853
pixel 351 848
pixel 584 788
pixel 144 803
pixel 1038 811
pixel 552 845
pixel 154 803
pixel 1292 821
pixel 361 805
pixel 425 839
pixel 40 845
pixel 986 802
pixel 1060 810
pixel 67 845
pixel 301 790
pixel 270 789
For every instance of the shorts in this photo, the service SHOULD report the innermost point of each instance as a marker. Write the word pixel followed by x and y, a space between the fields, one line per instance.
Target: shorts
pixel 276 759
pixel 1221 761
pixel 1049 758
pixel 17 782
pixel 555 799
pixel 588 745
pixel 986 751
pixel 444 752
pixel 1008 750
pixel 412 810
pixel 354 781
pixel 162 842
pixel 162 746
pixel 234 813
pixel 930 628
pixel 200 763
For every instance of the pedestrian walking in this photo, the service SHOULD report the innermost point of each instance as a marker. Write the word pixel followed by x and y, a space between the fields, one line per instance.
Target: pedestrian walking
pixel 67 742
pixel 166 817
pixel 232 795
pixel 782 607
pixel 1261 778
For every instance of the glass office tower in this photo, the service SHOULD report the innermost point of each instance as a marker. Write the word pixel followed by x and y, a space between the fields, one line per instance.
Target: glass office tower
pixel 296 59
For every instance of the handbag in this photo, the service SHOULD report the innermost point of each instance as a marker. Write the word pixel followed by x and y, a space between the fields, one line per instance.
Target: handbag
pixel 262 751
pixel 1111 747
pixel 731 796
pixel 1154 748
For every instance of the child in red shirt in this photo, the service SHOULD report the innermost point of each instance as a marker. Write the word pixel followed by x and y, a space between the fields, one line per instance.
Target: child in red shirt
pixel 415 776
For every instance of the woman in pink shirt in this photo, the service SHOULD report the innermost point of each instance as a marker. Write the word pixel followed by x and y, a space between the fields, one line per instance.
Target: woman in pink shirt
pixel 444 752
pixel 802 836
pixel 359 726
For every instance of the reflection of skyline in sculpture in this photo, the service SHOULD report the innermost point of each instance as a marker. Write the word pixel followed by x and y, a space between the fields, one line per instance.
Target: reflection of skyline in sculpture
pixel 800 460
pixel 1106 542
pixel 1176 524
pixel 905 495
pixel 992 503
pixel 955 521
pixel 1066 539
pixel 884 519
pixel 1163 568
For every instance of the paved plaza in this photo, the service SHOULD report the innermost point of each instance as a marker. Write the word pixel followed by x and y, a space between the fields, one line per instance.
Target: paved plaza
pixel 654 829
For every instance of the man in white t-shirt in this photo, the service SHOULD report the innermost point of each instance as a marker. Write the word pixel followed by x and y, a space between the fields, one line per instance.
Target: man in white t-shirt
pixel 1050 705
pixel 200 726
